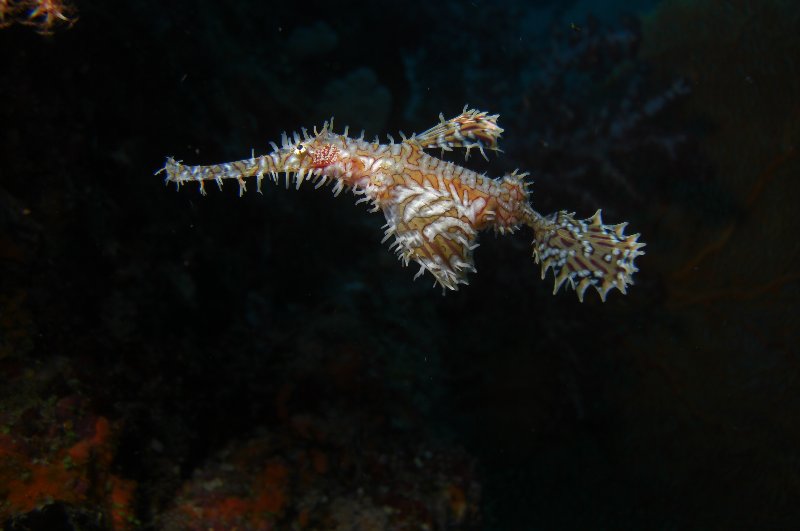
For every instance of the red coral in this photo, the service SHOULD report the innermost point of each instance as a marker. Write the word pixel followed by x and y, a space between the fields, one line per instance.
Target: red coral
pixel 286 479
pixel 58 451
pixel 35 480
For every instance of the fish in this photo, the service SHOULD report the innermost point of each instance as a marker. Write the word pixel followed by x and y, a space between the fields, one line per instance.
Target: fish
pixel 435 209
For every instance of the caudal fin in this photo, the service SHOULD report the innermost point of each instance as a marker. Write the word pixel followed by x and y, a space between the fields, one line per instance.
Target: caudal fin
pixel 585 252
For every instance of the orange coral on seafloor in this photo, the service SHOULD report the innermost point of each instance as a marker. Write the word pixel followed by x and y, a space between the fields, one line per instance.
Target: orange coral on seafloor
pixel 309 475
pixel 58 452
pixel 44 15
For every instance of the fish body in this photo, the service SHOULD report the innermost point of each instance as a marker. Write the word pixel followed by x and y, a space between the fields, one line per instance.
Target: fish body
pixel 434 209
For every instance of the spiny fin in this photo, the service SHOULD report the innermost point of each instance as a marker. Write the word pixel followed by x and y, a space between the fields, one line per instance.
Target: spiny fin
pixel 429 228
pixel 470 129
pixel 585 252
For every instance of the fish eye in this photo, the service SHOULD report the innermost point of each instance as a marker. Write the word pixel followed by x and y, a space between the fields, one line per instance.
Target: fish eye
pixel 300 149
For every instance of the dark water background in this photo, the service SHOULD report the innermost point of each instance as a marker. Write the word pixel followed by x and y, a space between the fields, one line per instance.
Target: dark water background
pixel 176 361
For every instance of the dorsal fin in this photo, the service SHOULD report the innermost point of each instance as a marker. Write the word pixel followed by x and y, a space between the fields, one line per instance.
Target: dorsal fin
pixel 470 129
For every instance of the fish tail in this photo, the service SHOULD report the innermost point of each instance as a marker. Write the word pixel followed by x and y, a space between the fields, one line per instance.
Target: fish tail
pixel 585 252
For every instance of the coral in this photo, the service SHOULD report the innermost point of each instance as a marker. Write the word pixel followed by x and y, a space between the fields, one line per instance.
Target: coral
pixel 434 209
pixel 44 15
pixel 308 474
pixel 57 451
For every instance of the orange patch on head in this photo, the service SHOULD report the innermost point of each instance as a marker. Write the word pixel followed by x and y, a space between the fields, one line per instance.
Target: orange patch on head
pixel 324 156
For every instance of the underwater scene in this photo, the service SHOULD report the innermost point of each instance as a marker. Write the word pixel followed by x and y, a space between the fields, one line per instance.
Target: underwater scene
pixel 458 265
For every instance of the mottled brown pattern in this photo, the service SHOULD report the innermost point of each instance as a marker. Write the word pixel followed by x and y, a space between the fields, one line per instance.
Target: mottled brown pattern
pixel 435 209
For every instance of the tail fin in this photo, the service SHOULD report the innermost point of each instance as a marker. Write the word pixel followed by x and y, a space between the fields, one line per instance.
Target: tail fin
pixel 585 252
